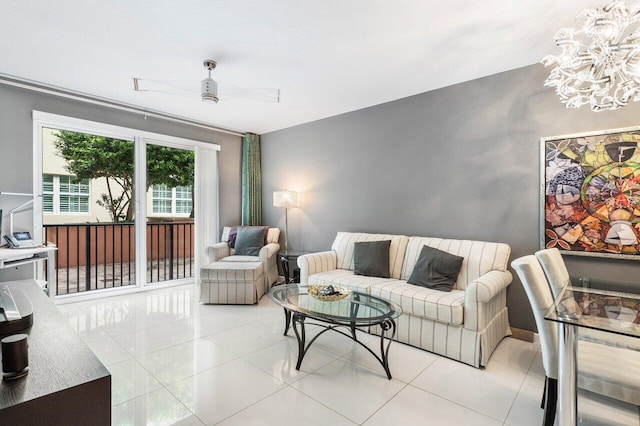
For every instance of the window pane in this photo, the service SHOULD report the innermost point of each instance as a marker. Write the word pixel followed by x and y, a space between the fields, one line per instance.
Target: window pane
pixel 183 206
pixel 47 183
pixel 47 203
pixel 161 191
pixel 162 206
pixel 183 193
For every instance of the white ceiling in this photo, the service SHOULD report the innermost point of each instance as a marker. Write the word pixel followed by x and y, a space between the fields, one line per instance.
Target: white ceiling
pixel 326 56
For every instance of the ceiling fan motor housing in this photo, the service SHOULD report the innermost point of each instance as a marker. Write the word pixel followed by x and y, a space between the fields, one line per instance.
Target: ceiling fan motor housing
pixel 209 90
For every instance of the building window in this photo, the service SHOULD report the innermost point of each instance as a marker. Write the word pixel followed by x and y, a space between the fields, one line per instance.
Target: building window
pixel 171 201
pixel 64 194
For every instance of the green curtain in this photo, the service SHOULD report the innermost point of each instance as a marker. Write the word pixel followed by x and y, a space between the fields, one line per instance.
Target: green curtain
pixel 251 180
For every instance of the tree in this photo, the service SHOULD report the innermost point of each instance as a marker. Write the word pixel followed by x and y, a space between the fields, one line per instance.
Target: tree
pixel 91 157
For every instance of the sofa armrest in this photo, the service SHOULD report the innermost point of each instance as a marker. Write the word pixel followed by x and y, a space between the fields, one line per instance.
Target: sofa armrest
pixel 314 263
pixel 485 297
pixel 268 251
pixel 217 251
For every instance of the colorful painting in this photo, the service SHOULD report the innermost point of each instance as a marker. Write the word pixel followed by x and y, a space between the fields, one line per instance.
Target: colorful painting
pixel 590 188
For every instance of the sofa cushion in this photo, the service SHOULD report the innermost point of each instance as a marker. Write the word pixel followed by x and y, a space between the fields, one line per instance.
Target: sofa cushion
pixel 480 257
pixel 371 258
pixel 240 258
pixel 344 243
pixel 436 269
pixel 347 279
pixel 250 240
pixel 423 302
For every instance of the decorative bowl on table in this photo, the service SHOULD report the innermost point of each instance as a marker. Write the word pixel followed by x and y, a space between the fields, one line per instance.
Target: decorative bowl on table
pixel 328 293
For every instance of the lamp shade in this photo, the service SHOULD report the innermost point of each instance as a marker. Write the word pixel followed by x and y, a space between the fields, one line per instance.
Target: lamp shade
pixel 286 199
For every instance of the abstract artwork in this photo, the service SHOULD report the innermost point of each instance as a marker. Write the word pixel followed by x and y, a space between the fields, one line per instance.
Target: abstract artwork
pixel 590 193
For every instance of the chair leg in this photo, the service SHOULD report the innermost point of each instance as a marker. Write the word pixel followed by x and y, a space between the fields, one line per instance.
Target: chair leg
pixel 551 399
pixel 544 392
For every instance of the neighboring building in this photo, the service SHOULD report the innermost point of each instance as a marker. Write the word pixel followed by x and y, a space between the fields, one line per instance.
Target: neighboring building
pixel 67 201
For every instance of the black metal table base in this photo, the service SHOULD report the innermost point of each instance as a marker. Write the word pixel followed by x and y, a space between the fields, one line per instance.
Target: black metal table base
pixel 387 325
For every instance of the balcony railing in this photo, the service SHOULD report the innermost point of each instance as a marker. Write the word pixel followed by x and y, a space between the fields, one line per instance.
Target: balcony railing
pixel 94 256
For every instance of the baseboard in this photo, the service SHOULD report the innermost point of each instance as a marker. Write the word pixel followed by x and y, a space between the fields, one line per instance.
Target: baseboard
pixel 520 334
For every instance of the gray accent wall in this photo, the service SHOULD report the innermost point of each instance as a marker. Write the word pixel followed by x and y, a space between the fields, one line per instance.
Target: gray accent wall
pixel 16 150
pixel 458 162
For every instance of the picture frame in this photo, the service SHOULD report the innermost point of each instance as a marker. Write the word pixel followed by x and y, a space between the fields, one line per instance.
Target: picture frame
pixel 590 193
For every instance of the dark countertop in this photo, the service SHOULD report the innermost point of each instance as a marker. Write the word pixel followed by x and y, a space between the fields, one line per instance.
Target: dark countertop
pixel 59 360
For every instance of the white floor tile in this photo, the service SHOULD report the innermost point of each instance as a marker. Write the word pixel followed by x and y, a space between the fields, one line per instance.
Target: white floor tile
pixel 108 351
pixel 185 359
pixel 349 389
pixel 405 362
pixel 413 406
pixel 223 391
pixel 512 359
pixel 130 380
pixel 158 408
pixel 248 338
pixel 479 390
pixel 526 410
pixel 279 360
pixel 142 342
pixel 287 407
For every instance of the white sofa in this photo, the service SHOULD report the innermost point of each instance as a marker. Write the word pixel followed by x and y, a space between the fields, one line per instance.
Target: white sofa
pixel 465 324
pixel 263 267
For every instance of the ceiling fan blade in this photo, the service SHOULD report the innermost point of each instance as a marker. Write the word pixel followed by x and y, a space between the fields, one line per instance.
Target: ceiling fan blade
pixel 171 87
pixel 263 94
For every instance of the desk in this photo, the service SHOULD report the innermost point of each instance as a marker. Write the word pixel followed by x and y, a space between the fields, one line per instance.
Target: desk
pixel 67 384
pixel 11 258
pixel 608 311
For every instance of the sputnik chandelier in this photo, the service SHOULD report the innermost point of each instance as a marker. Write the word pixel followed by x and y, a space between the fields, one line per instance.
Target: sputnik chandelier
pixel 599 64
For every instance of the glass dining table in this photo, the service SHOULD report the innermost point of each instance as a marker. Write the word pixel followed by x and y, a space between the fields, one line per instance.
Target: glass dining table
pixel 583 307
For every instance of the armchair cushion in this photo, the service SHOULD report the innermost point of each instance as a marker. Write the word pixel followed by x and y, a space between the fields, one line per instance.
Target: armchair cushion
pixel 436 269
pixel 249 241
pixel 230 234
pixel 371 258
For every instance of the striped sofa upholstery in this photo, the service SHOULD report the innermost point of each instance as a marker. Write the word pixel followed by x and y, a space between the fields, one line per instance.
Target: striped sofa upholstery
pixel 465 324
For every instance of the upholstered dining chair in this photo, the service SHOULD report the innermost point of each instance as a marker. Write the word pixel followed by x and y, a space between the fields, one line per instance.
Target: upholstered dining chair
pixel 539 294
pixel 599 365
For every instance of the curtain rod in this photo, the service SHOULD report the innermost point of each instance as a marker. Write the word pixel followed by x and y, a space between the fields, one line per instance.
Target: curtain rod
pixel 83 97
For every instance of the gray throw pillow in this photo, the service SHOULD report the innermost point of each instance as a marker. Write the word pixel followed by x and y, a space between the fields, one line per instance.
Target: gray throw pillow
pixel 371 258
pixel 249 241
pixel 436 269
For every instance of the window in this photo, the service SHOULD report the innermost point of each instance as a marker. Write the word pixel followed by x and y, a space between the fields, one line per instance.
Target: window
pixel 64 194
pixel 171 201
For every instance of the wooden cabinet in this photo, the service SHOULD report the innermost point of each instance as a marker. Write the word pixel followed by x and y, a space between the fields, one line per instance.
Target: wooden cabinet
pixel 67 384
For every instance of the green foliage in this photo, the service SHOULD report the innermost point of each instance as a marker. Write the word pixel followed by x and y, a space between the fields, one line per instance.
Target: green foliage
pixel 91 157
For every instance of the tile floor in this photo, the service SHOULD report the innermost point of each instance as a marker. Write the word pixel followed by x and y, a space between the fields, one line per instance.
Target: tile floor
pixel 174 361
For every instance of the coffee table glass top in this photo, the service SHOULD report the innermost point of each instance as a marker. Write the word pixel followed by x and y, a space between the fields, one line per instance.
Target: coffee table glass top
pixel 358 308
pixel 610 311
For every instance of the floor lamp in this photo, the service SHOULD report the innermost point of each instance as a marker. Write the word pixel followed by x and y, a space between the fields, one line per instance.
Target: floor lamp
pixel 288 200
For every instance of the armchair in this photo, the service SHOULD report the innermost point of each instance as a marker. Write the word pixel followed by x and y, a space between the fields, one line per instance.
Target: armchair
pixel 222 252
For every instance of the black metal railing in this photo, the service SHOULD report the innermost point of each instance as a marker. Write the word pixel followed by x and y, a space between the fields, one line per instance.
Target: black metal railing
pixel 94 256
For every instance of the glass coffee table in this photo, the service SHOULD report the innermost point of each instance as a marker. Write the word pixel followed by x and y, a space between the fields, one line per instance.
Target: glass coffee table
pixel 358 310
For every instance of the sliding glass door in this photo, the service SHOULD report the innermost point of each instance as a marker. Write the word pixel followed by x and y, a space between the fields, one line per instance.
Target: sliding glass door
pixel 121 205
pixel 170 212
pixel 88 189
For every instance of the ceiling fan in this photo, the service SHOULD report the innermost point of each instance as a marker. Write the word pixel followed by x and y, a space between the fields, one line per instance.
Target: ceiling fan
pixel 210 90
